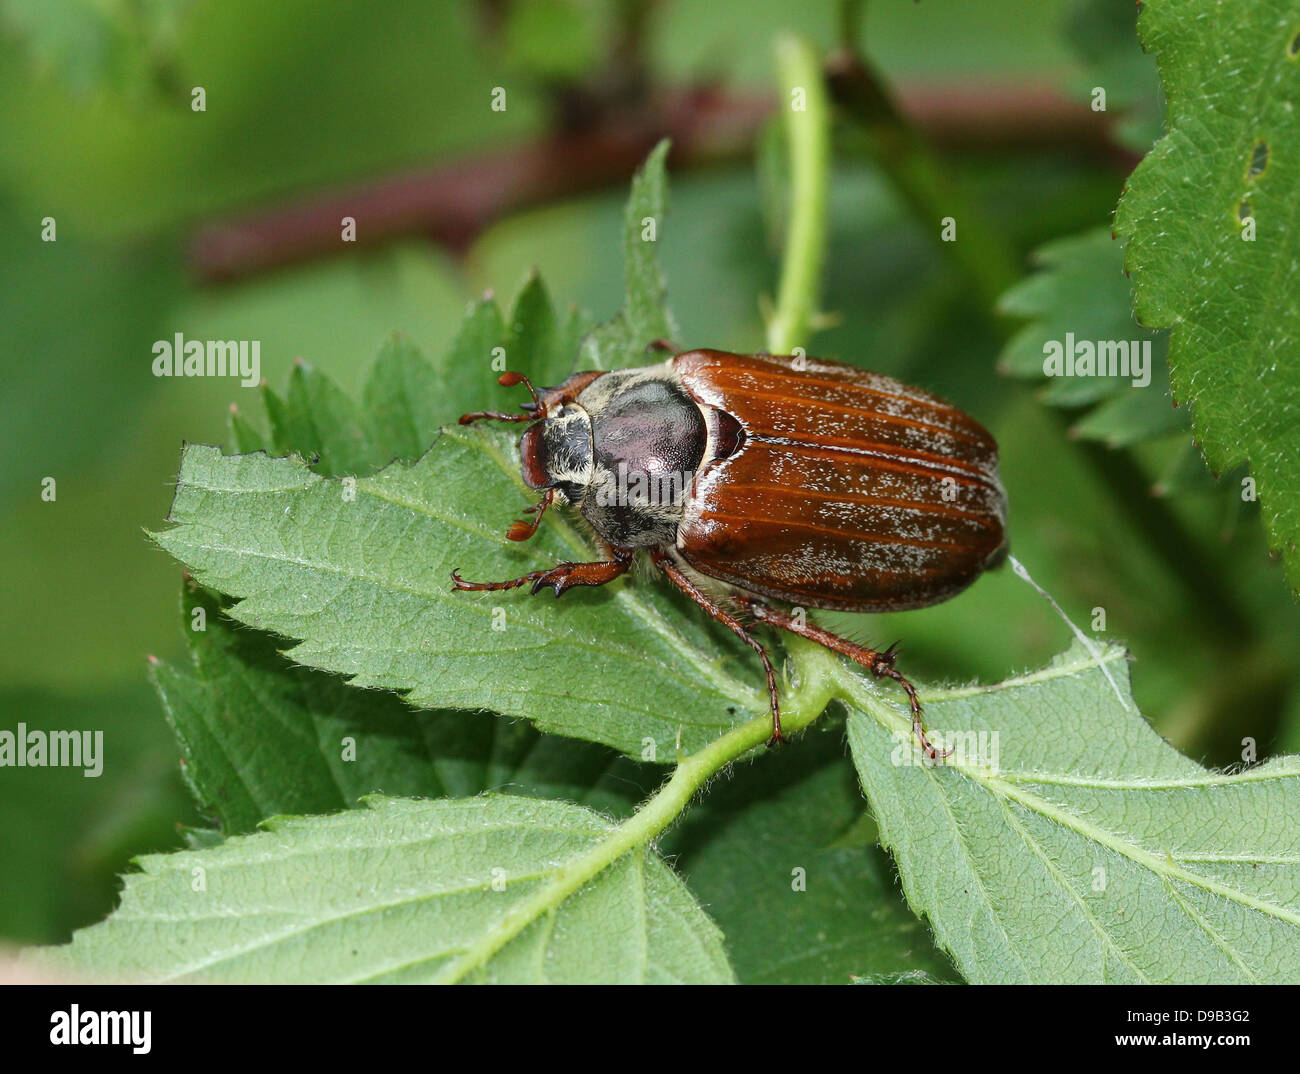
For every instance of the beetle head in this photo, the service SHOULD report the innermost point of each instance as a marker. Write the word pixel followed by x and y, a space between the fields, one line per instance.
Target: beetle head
pixel 555 452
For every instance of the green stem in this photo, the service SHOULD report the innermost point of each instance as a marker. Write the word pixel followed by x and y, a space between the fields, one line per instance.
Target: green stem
pixel 807 126
pixel 817 670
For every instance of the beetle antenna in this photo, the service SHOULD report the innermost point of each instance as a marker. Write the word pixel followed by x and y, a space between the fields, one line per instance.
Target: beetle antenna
pixel 509 380
pixel 532 411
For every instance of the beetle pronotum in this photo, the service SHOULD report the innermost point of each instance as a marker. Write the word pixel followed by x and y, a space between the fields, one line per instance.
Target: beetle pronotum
pixel 809 483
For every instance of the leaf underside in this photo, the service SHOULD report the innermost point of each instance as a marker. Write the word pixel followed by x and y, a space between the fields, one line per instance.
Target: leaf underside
pixel 261 737
pixel 1093 851
pixel 401 892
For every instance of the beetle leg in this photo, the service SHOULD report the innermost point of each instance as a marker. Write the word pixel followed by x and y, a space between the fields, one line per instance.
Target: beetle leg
pixel 879 663
pixel 561 577
pixel 682 582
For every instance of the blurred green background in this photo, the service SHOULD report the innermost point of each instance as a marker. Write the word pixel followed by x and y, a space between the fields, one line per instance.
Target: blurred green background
pixel 96 131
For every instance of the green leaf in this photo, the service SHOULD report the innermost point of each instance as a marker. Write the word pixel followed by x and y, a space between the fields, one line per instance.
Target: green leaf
pixel 468 378
pixel 1132 418
pixel 407 891
pixel 621 342
pixel 243 434
pixel 261 737
pixel 1080 293
pixel 319 421
pixel 402 402
pixel 1230 154
pixel 360 574
pixel 530 346
pixel 787 863
pixel 539 342
pixel 1185 472
pixel 535 341
pixel 573 331
pixel 1067 842
pixel 406 398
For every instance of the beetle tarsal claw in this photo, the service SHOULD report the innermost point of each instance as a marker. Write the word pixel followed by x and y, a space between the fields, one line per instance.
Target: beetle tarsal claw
pixel 556 579
pixel 931 750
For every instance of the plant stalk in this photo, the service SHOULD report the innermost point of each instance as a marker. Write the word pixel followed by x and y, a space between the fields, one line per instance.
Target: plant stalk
pixel 808 137
pixel 817 674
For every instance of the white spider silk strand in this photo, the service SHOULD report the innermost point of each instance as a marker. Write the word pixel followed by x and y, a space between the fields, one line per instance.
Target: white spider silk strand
pixel 1088 643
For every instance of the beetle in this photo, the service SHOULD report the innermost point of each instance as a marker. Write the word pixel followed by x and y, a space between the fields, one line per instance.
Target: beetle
pixel 759 481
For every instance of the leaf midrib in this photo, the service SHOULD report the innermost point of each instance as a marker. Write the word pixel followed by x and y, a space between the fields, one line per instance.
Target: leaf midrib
pixel 1006 789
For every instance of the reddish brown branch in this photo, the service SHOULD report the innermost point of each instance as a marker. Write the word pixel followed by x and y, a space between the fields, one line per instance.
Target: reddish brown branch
pixel 452 203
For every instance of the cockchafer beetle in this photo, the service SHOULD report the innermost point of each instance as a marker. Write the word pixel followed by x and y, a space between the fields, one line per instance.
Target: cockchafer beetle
pixel 753 478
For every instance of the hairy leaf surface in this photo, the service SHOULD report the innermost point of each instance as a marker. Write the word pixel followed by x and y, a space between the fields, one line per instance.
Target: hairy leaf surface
pixel 1067 842
pixel 405 891
pixel 1213 228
